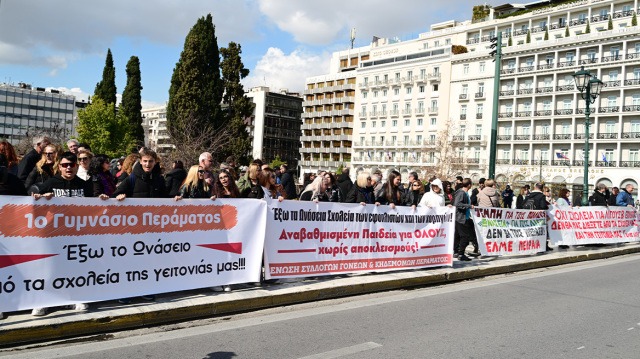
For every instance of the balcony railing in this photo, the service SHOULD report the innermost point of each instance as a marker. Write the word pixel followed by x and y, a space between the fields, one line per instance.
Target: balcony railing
pixel 463 117
pixel 607 136
pixel 615 83
pixel 538 29
pixel 597 18
pixel 506 93
pixel 473 41
pixel 540 162
pixel 581 163
pixel 434 77
pixel 582 136
pixel 544 89
pixel 508 71
pixel 523 114
pixel 519 32
pixel 463 96
pixel 630 134
pixel 526 68
pixel 505 114
pixel 611 58
pixel 504 137
pixel 609 109
pixel 606 163
pixel 521 162
pixel 558 26
pixel 542 113
pixel 473 160
pixel 630 164
pixel 633 56
pixel 433 110
pixel 503 161
pixel 566 64
pixel 564 112
pixel 577 22
pixel 474 137
pixel 479 94
pixel 631 108
pixel 591 60
pixel 541 137
pixel 545 66
pixel 632 82
pixel 522 137
pixel 621 14
pixel 565 88
pixel 561 163
pixel 458 138
pixel 562 136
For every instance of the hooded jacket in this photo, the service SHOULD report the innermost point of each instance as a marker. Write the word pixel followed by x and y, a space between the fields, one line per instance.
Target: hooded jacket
pixel 539 199
pixel 488 197
pixel 344 182
pixel 145 184
pixel 60 187
pixel 432 199
pixel 173 180
pixel 288 184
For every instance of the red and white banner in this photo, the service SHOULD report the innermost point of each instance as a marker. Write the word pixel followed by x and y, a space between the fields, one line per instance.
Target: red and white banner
pixel 503 231
pixel 593 225
pixel 313 239
pixel 78 250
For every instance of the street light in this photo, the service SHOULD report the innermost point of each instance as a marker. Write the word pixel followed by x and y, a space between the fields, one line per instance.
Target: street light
pixel 589 87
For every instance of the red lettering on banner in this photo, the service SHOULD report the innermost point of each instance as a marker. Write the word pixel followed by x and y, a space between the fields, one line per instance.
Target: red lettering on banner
pixel 500 246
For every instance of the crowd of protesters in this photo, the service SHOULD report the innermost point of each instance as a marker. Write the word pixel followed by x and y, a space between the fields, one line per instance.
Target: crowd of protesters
pixel 49 171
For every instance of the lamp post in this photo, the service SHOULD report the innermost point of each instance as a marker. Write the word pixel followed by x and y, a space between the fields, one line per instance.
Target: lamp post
pixel 589 87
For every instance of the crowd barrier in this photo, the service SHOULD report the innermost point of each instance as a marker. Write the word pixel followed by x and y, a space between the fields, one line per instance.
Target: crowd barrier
pixel 67 250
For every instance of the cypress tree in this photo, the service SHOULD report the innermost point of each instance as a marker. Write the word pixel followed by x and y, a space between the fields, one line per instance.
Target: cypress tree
pixel 610 25
pixel 509 43
pixel 106 89
pixel 131 106
pixel 528 36
pixel 239 106
pixel 588 29
pixel 634 20
pixel 546 34
pixel 566 32
pixel 196 88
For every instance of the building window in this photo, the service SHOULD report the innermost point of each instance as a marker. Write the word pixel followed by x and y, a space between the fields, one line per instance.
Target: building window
pixel 396 91
pixel 434 121
pixel 408 90
pixel 420 121
pixel 482 67
pixel 465 69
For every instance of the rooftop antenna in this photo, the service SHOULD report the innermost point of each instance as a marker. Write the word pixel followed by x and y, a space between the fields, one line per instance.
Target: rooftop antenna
pixel 353 36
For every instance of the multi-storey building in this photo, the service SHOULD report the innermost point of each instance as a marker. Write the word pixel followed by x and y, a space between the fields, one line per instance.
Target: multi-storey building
pixel 274 128
pixel 24 108
pixel 541 115
pixel 154 122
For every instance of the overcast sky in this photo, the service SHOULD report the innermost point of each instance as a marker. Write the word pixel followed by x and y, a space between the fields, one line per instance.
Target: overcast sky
pixel 62 44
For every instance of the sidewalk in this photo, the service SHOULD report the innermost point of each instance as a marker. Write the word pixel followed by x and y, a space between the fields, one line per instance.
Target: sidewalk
pixel 21 327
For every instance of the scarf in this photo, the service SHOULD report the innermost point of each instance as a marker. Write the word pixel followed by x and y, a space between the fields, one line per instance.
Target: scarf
pixel 107 183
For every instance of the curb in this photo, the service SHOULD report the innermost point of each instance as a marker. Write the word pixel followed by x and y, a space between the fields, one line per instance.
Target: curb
pixel 155 314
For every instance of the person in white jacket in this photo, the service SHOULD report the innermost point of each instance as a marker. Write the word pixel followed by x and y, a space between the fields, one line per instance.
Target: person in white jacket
pixel 435 197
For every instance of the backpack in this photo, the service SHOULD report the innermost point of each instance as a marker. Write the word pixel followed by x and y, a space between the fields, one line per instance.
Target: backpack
pixel 529 203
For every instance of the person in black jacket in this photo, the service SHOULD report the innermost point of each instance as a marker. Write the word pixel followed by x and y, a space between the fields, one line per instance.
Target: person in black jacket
pixel 344 182
pixel 415 193
pixel 522 196
pixel 474 193
pixel 30 159
pixel 287 182
pixel 10 185
pixel 100 176
pixel 145 181
pixel 611 202
pixel 391 194
pixel 173 180
pixel 600 196
pixel 46 168
pixel 362 190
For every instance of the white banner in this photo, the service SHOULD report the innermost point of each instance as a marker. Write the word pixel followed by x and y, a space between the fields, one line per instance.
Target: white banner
pixel 78 250
pixel 503 231
pixel 308 239
pixel 592 225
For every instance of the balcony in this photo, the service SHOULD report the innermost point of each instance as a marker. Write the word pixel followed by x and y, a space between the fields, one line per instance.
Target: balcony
pixel 373 114
pixel 541 137
pixel 420 78
pixel 478 116
pixel 633 56
pixel 542 113
pixel 561 163
pixel 544 89
pixel 545 67
pixel 567 64
pixel 434 77
pixel 508 71
pixel 521 162
pixel 558 26
pixel 505 114
pixel 407 80
pixel 630 134
pixel 474 137
pixel 591 60
pixel 473 160
pixel 631 108
pixel 433 110
pixel 540 162
pixel 581 163
pixel 463 117
pixel 607 136
pixel 635 164
pixel 522 137
pixel 577 22
pixel 565 88
pixel 463 96
pixel 458 138
pixel 526 68
pixel 503 161
pixel 611 58
pixel 504 137
pixel 407 112
pixel 621 14
pixel 524 92
pixel 507 93
pixel 564 112
pixel 606 164
pixel 519 32
pixel 363 114
pixel 473 41
pixel 582 136
pixel 394 113
pixel 538 29
pixel 479 95
pixel 597 18
pixel 523 114
pixel 615 83
pixel 563 136
pixel 609 109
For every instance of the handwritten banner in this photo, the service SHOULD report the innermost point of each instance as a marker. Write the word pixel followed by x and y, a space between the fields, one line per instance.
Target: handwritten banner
pixel 503 231
pixel 78 250
pixel 308 239
pixel 593 225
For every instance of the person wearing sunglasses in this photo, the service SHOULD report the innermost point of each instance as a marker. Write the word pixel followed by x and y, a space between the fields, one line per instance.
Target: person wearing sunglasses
pixel 267 180
pixel 415 193
pixel 362 190
pixel 46 168
pixel 195 185
pixel 29 161
pixel 84 158
pixel 101 177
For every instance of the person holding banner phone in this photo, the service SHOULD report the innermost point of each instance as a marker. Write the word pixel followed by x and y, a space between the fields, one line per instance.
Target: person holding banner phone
pixel 464 224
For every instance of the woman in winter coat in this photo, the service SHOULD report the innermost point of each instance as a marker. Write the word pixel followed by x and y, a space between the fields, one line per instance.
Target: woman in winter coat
pixel 268 180
pixel 362 190
pixel 563 200
pixel 225 186
pixel 253 189
pixel 46 168
pixel 101 177
pixel 194 185
pixel 435 197
pixel 448 192
pixel 415 194
pixel 315 191
pixel 489 196
pixel 391 194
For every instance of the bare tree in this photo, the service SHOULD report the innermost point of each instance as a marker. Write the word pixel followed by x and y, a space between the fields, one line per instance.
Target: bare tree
pixel 447 161
pixel 57 134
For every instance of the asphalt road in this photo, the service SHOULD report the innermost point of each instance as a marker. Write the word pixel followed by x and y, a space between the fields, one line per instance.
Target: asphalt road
pixel 587 310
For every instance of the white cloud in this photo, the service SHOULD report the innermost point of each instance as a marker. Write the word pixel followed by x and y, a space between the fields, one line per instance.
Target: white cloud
pixel 278 70
pixel 82 95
